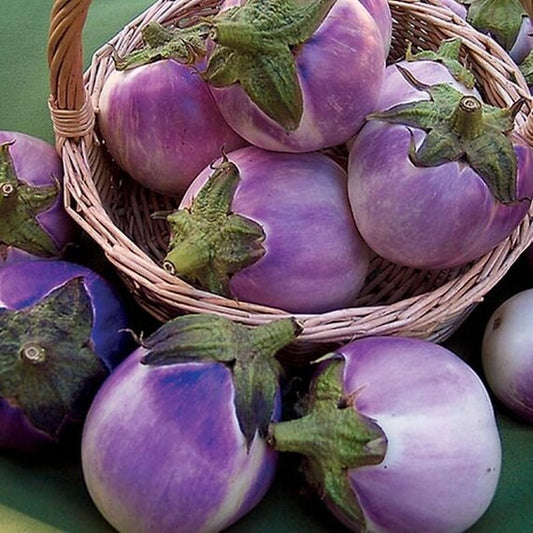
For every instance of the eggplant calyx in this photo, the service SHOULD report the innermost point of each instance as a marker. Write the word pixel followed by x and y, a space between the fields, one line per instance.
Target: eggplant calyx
pixel 249 353
pixel 460 127
pixel 208 241
pixel 48 366
pixel 526 68
pixel 334 438
pixel 448 55
pixel 185 45
pixel 500 18
pixel 20 205
pixel 255 48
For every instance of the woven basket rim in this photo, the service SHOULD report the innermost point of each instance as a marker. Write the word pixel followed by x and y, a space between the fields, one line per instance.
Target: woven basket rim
pixel 432 314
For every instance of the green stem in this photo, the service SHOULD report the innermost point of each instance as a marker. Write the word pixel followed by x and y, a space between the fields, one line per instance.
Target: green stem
pixel 467 119
pixel 331 435
pixel 33 353
pixel 191 255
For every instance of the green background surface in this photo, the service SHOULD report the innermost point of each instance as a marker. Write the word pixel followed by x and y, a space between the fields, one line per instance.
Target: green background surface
pixel 47 495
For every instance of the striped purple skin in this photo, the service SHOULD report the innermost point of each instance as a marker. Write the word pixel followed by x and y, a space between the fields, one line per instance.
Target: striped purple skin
pixel 160 123
pixel 26 283
pixel 340 70
pixel 162 450
pixel 425 217
pixel 443 457
pixel 36 163
pixel 315 260
pixel 507 354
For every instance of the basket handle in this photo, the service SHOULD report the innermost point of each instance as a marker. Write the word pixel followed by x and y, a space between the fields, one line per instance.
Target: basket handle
pixel 70 109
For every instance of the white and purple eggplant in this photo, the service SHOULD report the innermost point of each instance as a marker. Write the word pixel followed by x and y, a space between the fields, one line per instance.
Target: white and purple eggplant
pixel 291 76
pixel 61 334
pixel 33 220
pixel 174 440
pixel 326 72
pixel 161 125
pixel 399 435
pixel 507 354
pixel 270 228
pixel 439 179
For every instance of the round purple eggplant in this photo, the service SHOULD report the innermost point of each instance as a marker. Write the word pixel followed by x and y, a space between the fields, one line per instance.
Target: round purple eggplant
pixel 270 228
pixel 331 77
pixel 174 440
pixel 439 179
pixel 400 435
pixel 62 334
pixel 33 221
pixel 161 125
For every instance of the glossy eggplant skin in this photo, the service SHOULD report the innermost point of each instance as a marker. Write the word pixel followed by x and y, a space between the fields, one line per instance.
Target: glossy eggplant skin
pixel 162 449
pixel 340 69
pixel 506 354
pixel 428 217
pixel 443 447
pixel 315 259
pixel 161 125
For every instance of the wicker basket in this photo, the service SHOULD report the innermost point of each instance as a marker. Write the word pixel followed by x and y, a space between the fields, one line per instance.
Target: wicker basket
pixel 114 210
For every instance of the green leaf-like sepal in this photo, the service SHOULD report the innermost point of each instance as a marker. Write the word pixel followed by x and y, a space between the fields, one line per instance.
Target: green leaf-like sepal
pixel 247 351
pixel 334 438
pixel 20 205
pixel 526 68
pixel 48 367
pixel 448 55
pixel 462 127
pixel 208 242
pixel 185 45
pixel 255 48
pixel 270 80
pixel 501 18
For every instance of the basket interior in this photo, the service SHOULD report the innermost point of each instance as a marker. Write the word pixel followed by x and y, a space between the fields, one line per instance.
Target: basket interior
pixel 423 24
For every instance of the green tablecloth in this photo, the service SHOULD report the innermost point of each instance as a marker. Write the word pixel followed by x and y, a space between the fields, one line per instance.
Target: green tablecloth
pixel 46 496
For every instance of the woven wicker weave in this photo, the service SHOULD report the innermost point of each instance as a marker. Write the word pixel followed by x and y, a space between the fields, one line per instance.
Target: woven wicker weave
pixel 114 210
